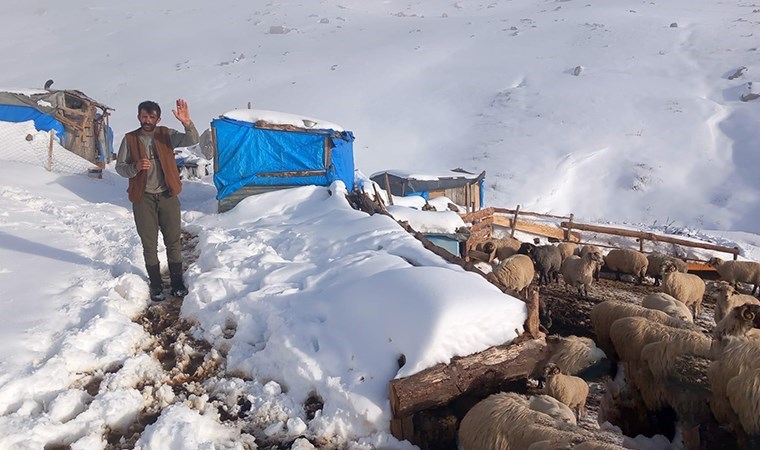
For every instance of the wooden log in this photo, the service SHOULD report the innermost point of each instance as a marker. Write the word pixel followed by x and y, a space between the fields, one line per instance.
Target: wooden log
pixel 537 228
pixel 479 372
pixel 477 215
pixel 529 213
pixel 649 236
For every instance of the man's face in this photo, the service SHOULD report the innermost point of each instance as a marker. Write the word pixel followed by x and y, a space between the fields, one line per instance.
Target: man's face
pixel 148 120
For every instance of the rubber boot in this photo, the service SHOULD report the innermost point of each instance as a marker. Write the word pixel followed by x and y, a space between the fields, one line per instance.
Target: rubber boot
pixel 178 286
pixel 156 284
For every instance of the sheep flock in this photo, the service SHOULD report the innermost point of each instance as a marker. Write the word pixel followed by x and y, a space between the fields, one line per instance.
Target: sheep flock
pixel 670 364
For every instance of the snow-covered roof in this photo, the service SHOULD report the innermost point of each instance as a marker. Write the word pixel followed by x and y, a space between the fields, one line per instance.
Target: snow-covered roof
pixel 447 174
pixel 280 118
pixel 24 91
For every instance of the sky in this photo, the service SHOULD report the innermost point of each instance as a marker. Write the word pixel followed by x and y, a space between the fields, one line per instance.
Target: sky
pixel 621 112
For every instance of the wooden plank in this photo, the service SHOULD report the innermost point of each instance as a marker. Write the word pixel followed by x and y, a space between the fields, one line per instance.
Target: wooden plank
pixel 649 236
pixel 388 189
pixel 537 228
pixel 529 213
pixel 477 215
pixel 296 173
pixel 480 372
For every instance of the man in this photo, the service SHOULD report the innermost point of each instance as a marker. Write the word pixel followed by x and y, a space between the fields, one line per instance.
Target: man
pixel 146 157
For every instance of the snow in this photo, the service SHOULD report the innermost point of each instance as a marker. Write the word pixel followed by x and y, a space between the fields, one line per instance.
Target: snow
pixel 280 118
pixel 299 294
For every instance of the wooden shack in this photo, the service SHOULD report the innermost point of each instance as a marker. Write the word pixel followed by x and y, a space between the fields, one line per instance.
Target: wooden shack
pixel 461 187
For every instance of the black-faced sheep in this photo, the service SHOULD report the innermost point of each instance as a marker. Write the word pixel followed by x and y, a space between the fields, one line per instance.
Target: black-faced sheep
pixel 547 260
pixel 726 298
pixel 623 260
pixel 737 271
pixel 516 272
pixel 501 248
pixel 569 389
pixel 685 287
pixel 579 272
pixel 655 262
pixel 669 305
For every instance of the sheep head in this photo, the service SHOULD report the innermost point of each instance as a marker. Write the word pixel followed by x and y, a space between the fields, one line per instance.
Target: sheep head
pixel 749 313
pixel 668 267
pixel 489 247
pixel 526 248
pixel 715 262
pixel 550 370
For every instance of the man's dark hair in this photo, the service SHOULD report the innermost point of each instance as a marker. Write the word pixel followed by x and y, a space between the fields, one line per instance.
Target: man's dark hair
pixel 149 106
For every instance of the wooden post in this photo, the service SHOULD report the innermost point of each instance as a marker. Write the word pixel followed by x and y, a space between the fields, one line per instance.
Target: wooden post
pixel 249 105
pixel 569 228
pixel 514 221
pixel 50 151
pixel 641 244
pixel 388 189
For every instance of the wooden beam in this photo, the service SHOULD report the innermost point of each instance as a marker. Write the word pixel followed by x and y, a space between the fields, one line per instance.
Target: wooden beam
pixel 479 372
pixel 529 213
pixel 649 236
pixel 537 229
pixel 477 215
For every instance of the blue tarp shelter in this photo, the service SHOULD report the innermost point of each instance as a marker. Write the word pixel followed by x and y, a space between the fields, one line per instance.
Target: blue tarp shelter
pixel 264 155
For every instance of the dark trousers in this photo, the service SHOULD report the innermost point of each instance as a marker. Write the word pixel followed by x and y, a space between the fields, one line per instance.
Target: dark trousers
pixel 154 212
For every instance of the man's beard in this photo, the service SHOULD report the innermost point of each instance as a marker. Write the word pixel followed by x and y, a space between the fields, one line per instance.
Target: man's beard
pixel 148 127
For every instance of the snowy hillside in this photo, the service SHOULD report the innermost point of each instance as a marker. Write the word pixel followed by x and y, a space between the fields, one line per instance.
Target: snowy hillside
pixel 617 110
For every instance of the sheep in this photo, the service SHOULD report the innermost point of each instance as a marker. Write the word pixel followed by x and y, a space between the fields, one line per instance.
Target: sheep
pixel 579 272
pixel 569 389
pixel 547 260
pixel 727 298
pixel 515 272
pixel 553 408
pixel 631 336
pixel 669 305
pixel 503 421
pixel 741 321
pixel 655 262
pixel 572 354
pixel 623 260
pixel 604 314
pixel 728 376
pixel 502 248
pixel 685 287
pixel 566 249
pixel 588 248
pixel 737 271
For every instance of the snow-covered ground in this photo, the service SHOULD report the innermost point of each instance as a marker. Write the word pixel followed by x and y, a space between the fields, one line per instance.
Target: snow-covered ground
pixel 622 112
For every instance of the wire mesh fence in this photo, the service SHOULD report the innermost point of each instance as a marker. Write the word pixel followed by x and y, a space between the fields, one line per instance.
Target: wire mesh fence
pixel 21 142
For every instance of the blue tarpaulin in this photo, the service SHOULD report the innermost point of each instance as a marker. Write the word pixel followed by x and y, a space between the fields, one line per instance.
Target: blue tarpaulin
pixel 42 121
pixel 247 155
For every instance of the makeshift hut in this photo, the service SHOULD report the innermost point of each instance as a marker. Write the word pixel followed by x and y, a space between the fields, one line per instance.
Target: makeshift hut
pixel 461 187
pixel 257 151
pixel 80 123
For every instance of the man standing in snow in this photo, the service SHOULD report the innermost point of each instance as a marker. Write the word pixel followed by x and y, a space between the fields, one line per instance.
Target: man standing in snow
pixel 146 157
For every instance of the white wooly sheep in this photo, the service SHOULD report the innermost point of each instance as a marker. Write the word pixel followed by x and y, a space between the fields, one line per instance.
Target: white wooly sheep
pixel 745 401
pixel 501 248
pixel 685 287
pixel 553 408
pixel 504 421
pixel 742 321
pixel 631 335
pixel 588 248
pixel 568 389
pixel 597 445
pixel 579 272
pixel 655 262
pixel 623 260
pixel 669 305
pixel 604 314
pixel 567 248
pixel 515 272
pixel 572 354
pixel 739 358
pixel 737 271
pixel 726 298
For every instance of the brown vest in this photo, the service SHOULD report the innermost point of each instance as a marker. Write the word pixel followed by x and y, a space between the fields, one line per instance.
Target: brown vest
pixel 165 151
